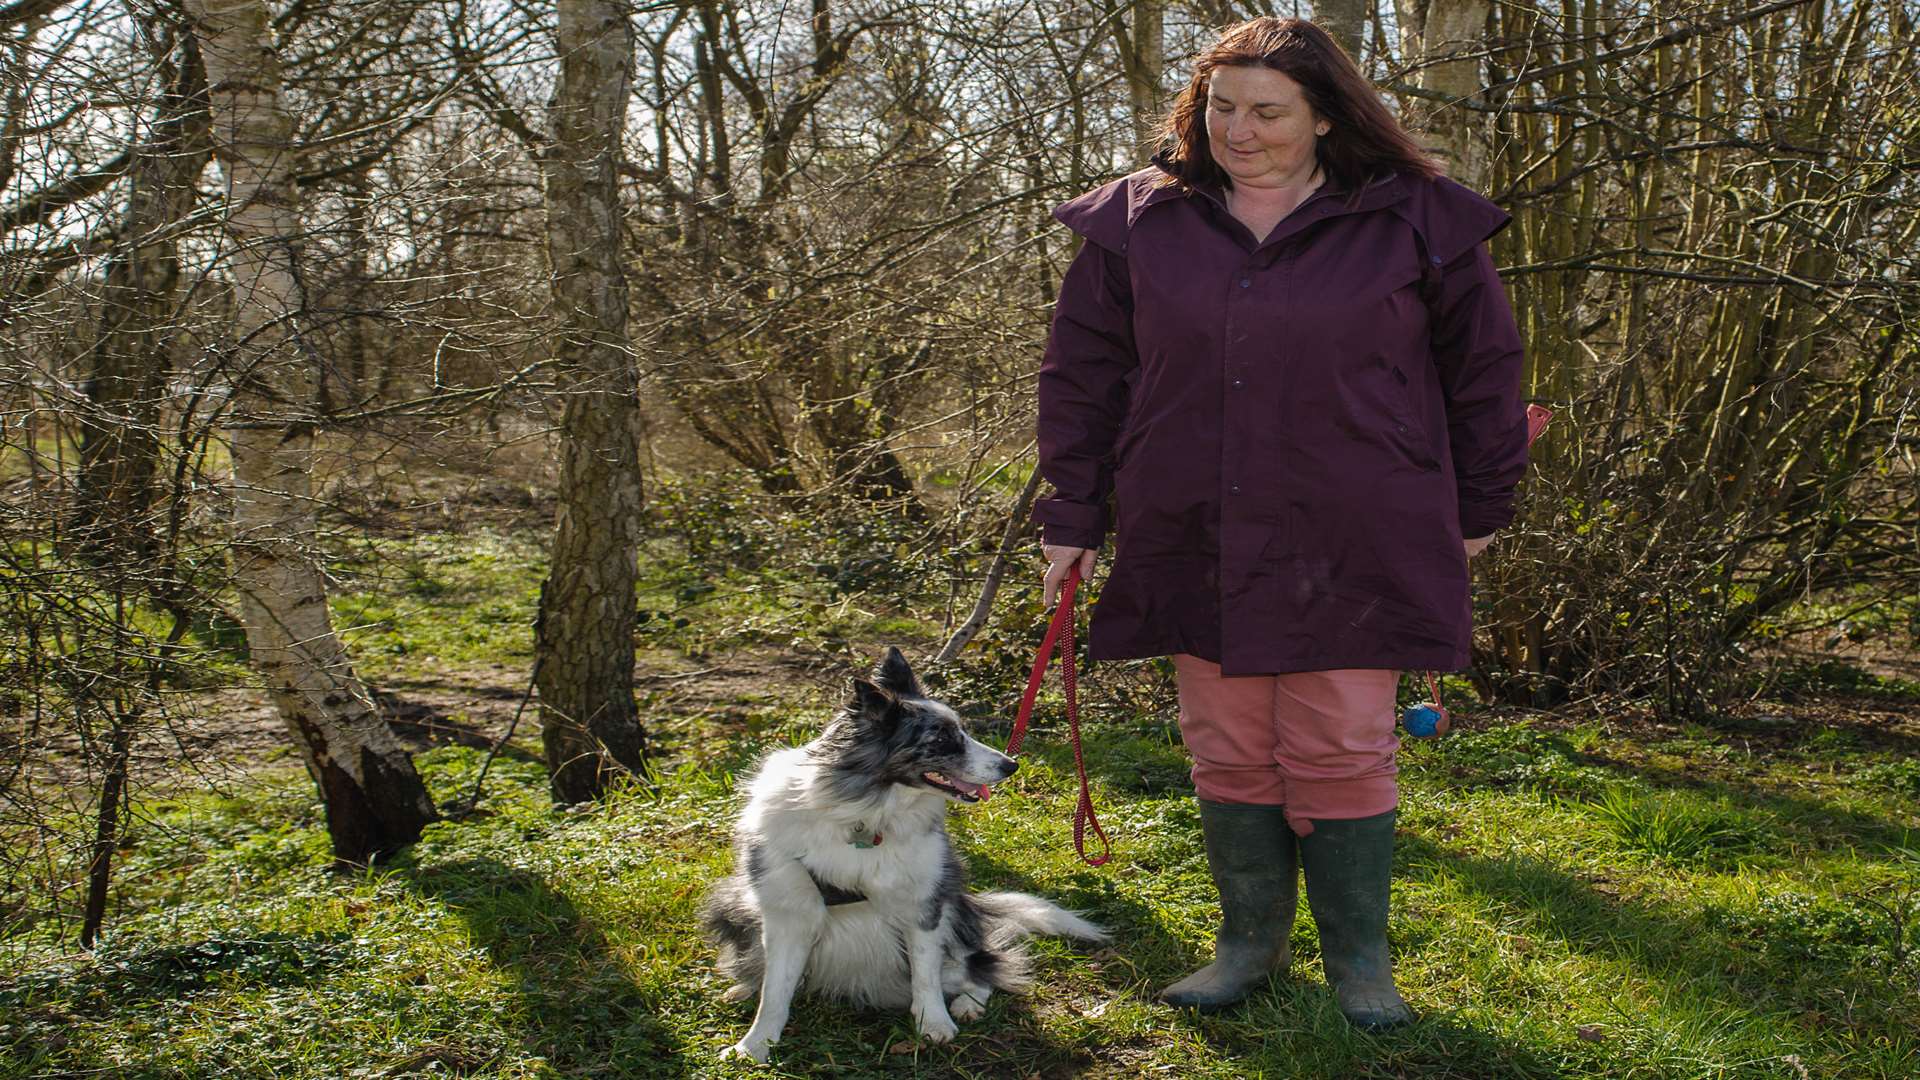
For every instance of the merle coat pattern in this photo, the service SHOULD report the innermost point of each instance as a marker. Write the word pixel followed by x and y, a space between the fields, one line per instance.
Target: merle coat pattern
pixel 846 879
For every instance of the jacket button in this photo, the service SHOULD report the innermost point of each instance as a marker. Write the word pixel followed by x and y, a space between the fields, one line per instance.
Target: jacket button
pixel 1245 282
pixel 1400 427
pixel 1235 489
pixel 1237 382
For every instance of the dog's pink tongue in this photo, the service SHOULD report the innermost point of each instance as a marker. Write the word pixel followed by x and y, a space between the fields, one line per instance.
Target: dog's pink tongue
pixel 985 793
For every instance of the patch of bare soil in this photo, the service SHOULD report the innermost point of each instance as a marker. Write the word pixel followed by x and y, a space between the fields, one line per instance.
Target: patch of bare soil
pixel 222 736
pixel 695 708
pixel 1875 656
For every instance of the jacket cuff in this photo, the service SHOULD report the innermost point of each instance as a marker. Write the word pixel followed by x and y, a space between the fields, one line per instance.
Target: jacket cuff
pixel 1484 518
pixel 1064 523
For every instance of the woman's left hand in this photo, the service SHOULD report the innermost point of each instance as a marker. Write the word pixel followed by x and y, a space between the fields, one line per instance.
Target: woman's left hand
pixel 1475 547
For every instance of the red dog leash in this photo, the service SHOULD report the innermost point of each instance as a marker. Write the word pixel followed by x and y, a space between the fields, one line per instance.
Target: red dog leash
pixel 1061 631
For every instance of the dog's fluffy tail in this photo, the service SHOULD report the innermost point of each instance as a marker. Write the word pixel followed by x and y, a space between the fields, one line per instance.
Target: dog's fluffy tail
pixel 1030 914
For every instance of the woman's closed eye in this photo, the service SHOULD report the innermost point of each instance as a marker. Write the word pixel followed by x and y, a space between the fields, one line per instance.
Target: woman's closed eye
pixel 1263 114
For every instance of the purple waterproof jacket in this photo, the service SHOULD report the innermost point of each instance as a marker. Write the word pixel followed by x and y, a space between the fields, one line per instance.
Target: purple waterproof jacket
pixel 1294 434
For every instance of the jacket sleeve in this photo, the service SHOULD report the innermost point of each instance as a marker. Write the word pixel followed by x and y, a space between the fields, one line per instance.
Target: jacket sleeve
pixel 1477 351
pixel 1476 346
pixel 1083 389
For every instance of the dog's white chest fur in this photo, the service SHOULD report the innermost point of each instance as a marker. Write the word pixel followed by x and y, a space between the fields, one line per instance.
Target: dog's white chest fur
pixel 791 813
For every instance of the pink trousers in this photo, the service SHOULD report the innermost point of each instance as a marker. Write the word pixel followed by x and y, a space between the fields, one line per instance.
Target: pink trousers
pixel 1320 743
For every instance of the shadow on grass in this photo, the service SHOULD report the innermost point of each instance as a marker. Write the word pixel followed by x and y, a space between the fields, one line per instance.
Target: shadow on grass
pixel 1771 978
pixel 424 724
pixel 579 1008
pixel 1290 1028
pixel 1812 822
pixel 1295 1030
pixel 1808 821
pixel 119 979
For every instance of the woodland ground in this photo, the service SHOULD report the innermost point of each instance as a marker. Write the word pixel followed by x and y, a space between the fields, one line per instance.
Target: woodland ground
pixel 1582 892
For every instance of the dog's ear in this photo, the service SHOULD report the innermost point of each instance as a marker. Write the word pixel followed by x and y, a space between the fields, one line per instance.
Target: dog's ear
pixel 874 702
pixel 893 673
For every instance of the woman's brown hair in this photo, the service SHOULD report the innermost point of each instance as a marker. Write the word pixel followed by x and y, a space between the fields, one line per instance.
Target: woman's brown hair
pixel 1364 139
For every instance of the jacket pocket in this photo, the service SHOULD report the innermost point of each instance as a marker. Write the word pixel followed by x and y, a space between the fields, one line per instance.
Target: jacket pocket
pixel 1408 432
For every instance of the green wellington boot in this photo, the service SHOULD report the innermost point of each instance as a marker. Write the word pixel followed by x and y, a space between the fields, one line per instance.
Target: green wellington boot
pixel 1348 865
pixel 1251 854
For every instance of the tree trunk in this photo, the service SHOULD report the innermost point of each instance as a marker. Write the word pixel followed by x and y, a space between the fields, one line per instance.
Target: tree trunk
pixel 106 827
pixel 120 431
pixel 1446 39
pixel 584 639
pixel 1346 22
pixel 1143 58
pixel 374 799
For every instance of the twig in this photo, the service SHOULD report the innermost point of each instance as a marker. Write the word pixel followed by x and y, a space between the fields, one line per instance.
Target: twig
pixel 459 810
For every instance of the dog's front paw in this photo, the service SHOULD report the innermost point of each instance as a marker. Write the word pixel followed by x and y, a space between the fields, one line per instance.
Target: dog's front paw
pixel 937 1027
pixel 965 1006
pixel 752 1050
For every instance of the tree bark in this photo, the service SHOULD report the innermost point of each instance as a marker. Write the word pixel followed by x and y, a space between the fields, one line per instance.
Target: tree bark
pixel 1345 21
pixel 375 801
pixel 1143 58
pixel 584 639
pixel 120 432
pixel 1445 39
pixel 106 828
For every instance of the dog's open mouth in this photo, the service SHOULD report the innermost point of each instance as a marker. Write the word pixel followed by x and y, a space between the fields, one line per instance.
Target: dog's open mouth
pixel 959 788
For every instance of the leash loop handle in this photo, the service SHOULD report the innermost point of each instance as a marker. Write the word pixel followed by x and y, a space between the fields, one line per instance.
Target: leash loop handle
pixel 1060 632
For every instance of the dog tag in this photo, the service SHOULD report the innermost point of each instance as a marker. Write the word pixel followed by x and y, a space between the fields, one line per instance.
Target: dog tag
pixel 861 838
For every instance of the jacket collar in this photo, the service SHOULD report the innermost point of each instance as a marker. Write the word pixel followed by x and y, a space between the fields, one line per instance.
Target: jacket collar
pixel 1328 202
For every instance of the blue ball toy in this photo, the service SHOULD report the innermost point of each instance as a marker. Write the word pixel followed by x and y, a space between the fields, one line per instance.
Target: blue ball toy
pixel 1425 720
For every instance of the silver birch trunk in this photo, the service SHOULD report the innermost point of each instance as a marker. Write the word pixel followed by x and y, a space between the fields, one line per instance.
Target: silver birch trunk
pixel 374 799
pixel 1346 22
pixel 1447 40
pixel 1143 60
pixel 583 643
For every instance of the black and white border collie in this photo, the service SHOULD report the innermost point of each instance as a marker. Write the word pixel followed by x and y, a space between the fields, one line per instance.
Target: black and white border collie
pixel 845 877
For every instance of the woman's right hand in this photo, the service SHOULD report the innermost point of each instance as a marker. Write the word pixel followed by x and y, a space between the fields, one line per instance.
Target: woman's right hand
pixel 1059 560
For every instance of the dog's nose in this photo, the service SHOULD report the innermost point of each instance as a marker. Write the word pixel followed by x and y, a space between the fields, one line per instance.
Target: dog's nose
pixel 1009 768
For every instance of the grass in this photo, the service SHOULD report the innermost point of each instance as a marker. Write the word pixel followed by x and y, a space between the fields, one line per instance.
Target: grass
pixel 1674 829
pixel 532 942
pixel 1574 898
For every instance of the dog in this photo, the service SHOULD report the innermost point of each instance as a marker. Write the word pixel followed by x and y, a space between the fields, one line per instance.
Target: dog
pixel 845 876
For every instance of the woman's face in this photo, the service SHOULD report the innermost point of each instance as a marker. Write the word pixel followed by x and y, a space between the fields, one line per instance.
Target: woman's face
pixel 1259 126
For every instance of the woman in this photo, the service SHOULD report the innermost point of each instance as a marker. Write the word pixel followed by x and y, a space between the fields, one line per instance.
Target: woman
pixel 1285 353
